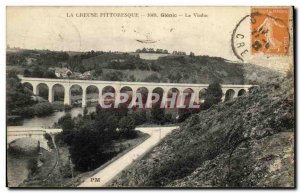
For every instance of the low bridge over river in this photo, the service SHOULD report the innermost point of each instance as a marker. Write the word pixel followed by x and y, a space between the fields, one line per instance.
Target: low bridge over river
pixel 17 132
pixel 229 90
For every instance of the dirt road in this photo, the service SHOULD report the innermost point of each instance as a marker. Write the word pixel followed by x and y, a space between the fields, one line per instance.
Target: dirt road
pixel 110 171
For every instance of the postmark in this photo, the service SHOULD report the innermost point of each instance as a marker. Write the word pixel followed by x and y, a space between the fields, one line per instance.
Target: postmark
pixel 240 39
pixel 264 31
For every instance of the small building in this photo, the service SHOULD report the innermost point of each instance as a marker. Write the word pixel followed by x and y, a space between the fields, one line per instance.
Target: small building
pixel 86 75
pixel 31 61
pixel 62 72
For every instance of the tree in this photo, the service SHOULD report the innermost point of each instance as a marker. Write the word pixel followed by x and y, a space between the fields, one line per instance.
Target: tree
pixel 81 68
pixel 152 78
pixel 85 111
pixel 157 114
pixel 89 146
pixel 122 110
pixel 69 73
pixel 175 76
pixel 90 137
pixel 37 72
pixel 26 73
pixel 108 119
pixel 213 96
pixel 192 54
pixel 32 165
pixel 98 71
pixel 74 62
pixel 49 74
pixel 48 137
pixel 43 109
pixel 155 67
pixel 139 117
pixel 185 113
pixel 132 78
pixel 67 124
pixel 16 95
pixel 127 126
pixel 15 59
pixel 113 76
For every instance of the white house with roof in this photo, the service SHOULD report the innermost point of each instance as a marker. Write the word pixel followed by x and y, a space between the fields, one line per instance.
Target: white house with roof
pixel 62 72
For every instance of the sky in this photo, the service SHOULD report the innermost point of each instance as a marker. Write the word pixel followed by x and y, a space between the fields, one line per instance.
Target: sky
pixel 54 28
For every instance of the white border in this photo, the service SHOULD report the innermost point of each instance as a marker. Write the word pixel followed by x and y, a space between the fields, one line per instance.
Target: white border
pixel 5 3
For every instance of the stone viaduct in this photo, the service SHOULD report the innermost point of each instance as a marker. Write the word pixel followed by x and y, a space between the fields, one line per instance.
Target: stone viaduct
pixel 229 90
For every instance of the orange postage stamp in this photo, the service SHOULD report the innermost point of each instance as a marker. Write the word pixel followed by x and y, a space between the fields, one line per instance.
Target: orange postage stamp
pixel 270 30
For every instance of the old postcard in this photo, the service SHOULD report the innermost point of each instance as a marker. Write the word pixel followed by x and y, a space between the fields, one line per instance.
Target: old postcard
pixel 150 97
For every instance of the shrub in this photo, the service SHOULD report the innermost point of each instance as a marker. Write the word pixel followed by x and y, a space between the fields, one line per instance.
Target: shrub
pixel 183 114
pixel 48 137
pixel 127 127
pixel 32 165
pixel 43 109
pixel 168 118
pixel 66 170
pixel 89 147
pixel 26 73
pixel 25 112
pixel 157 114
pixel 213 96
pixel 67 124
pixel 152 78
pixel 139 117
pixel 58 105
pixel 17 95
pixel 67 108
pixel 113 76
pixel 85 111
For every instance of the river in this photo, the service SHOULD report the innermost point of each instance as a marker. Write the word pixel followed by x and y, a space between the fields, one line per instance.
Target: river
pixel 17 170
pixel 50 120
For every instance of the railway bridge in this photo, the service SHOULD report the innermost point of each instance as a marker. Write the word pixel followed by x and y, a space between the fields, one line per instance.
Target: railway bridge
pixel 229 90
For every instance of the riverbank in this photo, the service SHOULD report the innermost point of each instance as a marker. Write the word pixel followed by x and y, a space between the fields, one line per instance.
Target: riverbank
pixel 124 146
pixel 47 162
pixel 63 174
pixel 25 157
pixel 48 121
pixel 42 111
pixel 17 165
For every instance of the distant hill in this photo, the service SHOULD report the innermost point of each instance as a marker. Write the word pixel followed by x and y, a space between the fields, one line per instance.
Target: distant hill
pixel 247 142
pixel 131 67
pixel 102 60
pixel 186 69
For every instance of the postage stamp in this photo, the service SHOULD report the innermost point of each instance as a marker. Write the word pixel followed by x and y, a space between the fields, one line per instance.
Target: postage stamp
pixel 270 30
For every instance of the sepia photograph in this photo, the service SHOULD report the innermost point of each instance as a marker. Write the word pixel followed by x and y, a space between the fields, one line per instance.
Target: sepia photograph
pixel 150 97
